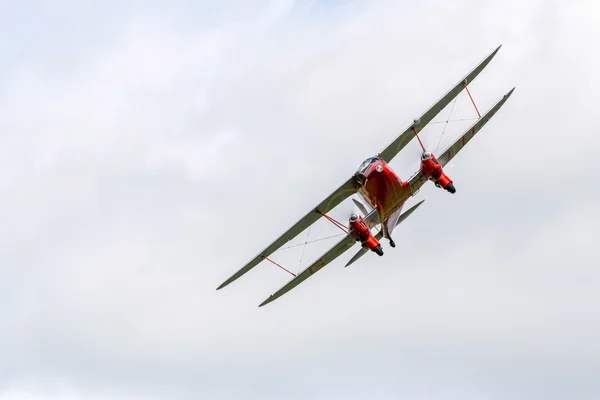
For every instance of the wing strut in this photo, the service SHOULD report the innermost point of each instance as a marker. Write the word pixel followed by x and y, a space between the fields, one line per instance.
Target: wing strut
pixel 333 221
pixel 279 265
pixel 472 101
pixel 418 138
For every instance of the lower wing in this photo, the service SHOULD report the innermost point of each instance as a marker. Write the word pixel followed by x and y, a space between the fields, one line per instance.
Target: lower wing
pixel 346 243
pixel 344 191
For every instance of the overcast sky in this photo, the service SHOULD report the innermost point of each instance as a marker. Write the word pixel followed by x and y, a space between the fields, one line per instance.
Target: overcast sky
pixel 147 153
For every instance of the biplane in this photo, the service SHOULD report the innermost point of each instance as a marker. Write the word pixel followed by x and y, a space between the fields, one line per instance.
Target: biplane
pixel 381 188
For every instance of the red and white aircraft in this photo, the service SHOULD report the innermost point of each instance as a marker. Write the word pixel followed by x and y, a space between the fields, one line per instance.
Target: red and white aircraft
pixel 382 189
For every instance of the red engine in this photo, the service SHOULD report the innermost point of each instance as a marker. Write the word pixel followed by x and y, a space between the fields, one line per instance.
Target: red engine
pixel 432 168
pixel 361 232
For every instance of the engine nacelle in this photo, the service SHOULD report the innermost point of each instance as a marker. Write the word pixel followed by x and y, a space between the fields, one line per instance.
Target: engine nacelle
pixel 362 233
pixel 432 169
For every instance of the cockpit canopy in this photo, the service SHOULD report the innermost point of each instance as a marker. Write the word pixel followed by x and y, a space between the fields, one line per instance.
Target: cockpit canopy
pixel 360 174
pixel 365 165
pixel 426 156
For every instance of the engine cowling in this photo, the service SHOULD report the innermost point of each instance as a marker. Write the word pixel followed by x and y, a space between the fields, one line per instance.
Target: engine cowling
pixel 362 233
pixel 433 170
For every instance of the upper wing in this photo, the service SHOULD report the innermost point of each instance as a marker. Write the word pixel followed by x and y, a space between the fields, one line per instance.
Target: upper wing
pixel 451 151
pixel 349 187
pixel 343 192
pixel 419 178
pixel 398 144
pixel 333 253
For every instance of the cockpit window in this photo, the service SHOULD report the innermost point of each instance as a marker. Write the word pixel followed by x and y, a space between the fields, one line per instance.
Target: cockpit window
pixel 363 167
pixel 426 156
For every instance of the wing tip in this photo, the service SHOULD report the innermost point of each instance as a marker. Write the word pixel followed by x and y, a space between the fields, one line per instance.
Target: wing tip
pixel 267 301
pixel 491 55
pixel 222 285
pixel 413 208
pixel 489 58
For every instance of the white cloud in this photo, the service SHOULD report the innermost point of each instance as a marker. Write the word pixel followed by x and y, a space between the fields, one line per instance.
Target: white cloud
pixel 172 152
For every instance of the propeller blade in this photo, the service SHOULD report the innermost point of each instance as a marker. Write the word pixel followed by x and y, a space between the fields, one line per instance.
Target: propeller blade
pixel 379 235
pixel 361 207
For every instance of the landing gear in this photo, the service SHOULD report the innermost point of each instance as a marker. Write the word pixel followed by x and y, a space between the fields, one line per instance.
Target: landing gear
pixel 392 243
pixel 377 249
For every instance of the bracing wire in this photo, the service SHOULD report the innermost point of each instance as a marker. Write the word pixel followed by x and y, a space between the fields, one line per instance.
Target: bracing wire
pixel 446 125
pixel 452 120
pixel 311 241
pixel 303 249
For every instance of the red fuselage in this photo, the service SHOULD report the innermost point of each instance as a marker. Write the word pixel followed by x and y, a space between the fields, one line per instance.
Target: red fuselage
pixel 386 192
pixel 381 187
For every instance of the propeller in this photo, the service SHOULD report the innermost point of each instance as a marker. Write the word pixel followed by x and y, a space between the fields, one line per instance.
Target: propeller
pixel 361 207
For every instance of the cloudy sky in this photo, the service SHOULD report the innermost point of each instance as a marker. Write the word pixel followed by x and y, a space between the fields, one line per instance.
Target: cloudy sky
pixel 147 152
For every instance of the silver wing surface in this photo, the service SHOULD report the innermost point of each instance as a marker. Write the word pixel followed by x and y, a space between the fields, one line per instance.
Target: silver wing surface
pixel 346 190
pixel 405 137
